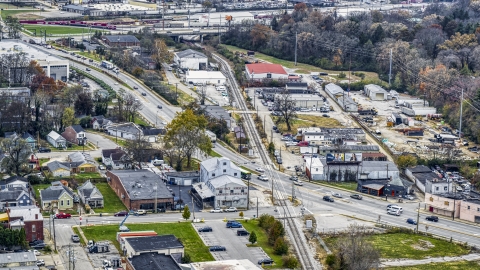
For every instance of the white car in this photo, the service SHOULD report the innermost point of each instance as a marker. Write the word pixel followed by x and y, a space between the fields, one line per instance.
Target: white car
pixel 298 183
pixel 36 252
pixel 231 209
pixel 216 210
pixel 262 177
pixel 40 262
pixel 259 169
pixel 290 144
pixel 335 194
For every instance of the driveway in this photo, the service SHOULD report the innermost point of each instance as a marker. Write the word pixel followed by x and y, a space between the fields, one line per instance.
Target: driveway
pixel 100 141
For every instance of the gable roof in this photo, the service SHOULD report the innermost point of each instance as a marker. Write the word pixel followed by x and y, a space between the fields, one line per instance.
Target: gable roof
pixel 121 38
pixel 80 157
pixel 55 136
pixel 13 179
pixel 78 128
pixel 54 192
pixel 212 163
pixel 88 189
pixel 222 180
pixel 107 152
pixel 27 135
pixel 261 68
pixel 190 54
pixel 55 165
pixel 11 195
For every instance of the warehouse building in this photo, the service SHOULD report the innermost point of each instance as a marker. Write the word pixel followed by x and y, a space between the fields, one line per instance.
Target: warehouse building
pixel 375 92
pixel 205 77
pixel 191 60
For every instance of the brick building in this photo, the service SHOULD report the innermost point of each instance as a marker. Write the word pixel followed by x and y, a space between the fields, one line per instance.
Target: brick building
pixel 28 217
pixel 138 189
pixel 121 40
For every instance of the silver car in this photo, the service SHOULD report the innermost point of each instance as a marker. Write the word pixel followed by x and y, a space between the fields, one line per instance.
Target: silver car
pixel 335 194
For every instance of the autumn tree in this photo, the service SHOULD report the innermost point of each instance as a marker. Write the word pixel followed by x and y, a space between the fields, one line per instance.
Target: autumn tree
pixel 260 35
pixel 160 53
pixel 459 41
pixel 68 117
pixel 135 150
pixel 286 106
pixel 406 161
pixel 186 133
pixel 84 104
pixel 17 153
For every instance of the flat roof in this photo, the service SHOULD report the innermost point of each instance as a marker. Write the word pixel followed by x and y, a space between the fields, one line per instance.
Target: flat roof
pixel 203 74
pixel 225 265
pixel 140 184
pixel 153 243
pixel 306 97
pixel 154 261
pixel 17 257
pixel 17 47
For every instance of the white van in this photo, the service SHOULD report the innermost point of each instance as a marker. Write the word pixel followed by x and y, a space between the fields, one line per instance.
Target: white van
pixel 396 208
pixel 157 162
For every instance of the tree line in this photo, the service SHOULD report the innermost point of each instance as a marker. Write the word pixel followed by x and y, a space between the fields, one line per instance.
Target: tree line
pixel 12 238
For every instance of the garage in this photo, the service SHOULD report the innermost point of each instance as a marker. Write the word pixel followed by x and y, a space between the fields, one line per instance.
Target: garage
pixel 205 77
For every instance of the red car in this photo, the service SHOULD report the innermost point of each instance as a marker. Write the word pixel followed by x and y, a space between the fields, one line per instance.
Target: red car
pixel 63 215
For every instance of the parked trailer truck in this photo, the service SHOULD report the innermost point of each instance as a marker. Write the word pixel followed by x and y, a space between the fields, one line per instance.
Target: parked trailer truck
pixel 422 111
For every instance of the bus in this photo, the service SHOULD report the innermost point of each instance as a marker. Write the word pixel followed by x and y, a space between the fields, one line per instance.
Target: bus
pixel 107 65
pixel 245 174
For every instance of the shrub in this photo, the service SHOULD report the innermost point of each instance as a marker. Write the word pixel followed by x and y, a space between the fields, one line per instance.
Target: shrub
pixel 342 75
pixel 280 247
pixel 290 262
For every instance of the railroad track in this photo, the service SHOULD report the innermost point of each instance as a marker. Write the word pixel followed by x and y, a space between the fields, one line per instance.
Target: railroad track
pixel 278 190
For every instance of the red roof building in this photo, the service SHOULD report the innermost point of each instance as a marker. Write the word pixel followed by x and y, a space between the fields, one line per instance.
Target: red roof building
pixel 262 71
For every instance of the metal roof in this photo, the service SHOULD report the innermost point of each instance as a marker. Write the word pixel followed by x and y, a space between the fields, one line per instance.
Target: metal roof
pixel 28 212
pixel 18 257
pixel 121 38
pixel 153 243
pixel 190 54
pixel 140 184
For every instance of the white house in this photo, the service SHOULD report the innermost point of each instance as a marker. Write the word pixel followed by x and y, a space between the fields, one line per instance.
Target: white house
pixel 56 140
pixel 215 167
pixel 115 158
pixel 89 194
pixel 375 92
pixel 101 123
pixel 228 191
pixel 205 77
pixel 128 131
pixel 262 71
pixel 438 186
pixel 190 59
pixel 314 168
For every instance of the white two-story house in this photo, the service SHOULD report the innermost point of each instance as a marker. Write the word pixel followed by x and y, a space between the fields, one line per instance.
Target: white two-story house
pixel 216 167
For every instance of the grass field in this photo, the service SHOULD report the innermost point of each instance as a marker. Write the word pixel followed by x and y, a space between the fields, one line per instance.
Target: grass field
pixel 22 13
pixel 410 246
pixel 214 154
pixel 303 120
pixel 57 30
pixel 462 265
pixel 262 241
pixel 87 175
pixel 90 56
pixel 300 67
pixel 37 189
pixel 113 204
pixel 345 185
pixel 183 231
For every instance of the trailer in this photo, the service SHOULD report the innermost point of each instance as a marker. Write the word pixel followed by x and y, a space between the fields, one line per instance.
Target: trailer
pixel 100 248
pixel 367 112
pixel 421 111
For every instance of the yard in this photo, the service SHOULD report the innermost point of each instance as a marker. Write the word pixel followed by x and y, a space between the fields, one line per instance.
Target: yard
pixel 461 265
pixel 300 67
pixel 262 241
pixel 345 185
pixel 112 202
pixel 304 120
pixel 37 189
pixel 82 177
pixel 56 30
pixel 182 230
pixel 410 246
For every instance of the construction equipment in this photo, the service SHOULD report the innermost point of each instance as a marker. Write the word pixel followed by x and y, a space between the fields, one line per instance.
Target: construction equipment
pixel 122 227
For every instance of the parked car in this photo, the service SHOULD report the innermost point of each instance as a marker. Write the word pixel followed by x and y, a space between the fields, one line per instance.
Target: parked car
pixel 293 178
pixel 216 210
pixel 36 252
pixel 75 238
pixel 298 183
pixel 335 194
pixel 44 150
pixel 265 261
pixel 234 225
pixel 242 232
pixel 101 167
pixel 231 209
pixel 328 199
pixel 140 212
pixel 356 196
pixel 39 246
pixel 409 197
pixel 258 169
pixel 63 215
pixel 279 160
pixel 432 218
pixel 262 177
pixel 120 214
pixel 218 248
pixel 40 262
pixel 205 229
pixel 35 242
pixel 411 221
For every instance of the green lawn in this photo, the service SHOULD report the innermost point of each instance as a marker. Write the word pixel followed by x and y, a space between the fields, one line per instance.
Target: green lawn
pixel 345 185
pixel 90 56
pixel 112 201
pixel 262 241
pixel 37 189
pixel 43 161
pixel 183 231
pixel 32 13
pixel 462 265
pixel 87 175
pixel 214 154
pixel 410 246
pixel 57 30
pixel 300 67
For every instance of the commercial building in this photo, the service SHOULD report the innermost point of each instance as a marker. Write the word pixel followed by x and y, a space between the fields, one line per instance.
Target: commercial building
pixel 326 136
pixel 160 244
pixel 54 67
pixel 18 261
pixel 224 265
pixel 121 40
pixel 205 77
pixel 155 262
pixel 307 101
pixel 375 92
pixel 297 87
pixel 191 60
pixel 215 167
pixel 262 71
pixel 28 217
pixel 341 97
pixel 428 181
pixel 182 178
pixel 139 189
pixel 228 191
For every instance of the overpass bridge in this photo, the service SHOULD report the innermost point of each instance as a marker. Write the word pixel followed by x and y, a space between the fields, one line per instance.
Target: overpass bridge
pixel 191 31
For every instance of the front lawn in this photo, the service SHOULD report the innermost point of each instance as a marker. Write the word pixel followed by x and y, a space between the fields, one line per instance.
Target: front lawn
pixel 303 120
pixel 262 241
pixel 112 202
pixel 37 189
pixel 183 231
pixel 86 175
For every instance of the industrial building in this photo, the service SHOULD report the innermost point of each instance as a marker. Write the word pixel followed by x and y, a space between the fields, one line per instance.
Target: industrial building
pixel 219 18
pixel 54 67
pixel 341 97
pixel 307 101
pixel 205 77
pixel 191 60
pixel 375 92
pixel 263 71
pixel 320 136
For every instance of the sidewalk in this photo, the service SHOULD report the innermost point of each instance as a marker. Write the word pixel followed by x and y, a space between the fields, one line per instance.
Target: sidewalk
pixel 401 262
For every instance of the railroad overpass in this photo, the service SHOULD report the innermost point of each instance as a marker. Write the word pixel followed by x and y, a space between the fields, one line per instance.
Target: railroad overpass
pixel 176 33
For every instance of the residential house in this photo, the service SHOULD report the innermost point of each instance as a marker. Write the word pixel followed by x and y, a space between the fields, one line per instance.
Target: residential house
pixel 28 217
pixel 89 194
pixel 56 140
pixel 191 60
pixel 81 162
pixel 215 167
pixel 128 131
pixel 75 134
pixel 121 40
pixel 58 169
pixel 182 178
pixel 115 159
pixel 99 122
pixel 135 189
pixel 57 197
pixel 261 71
pixel 314 168
pixel 25 136
pixel 14 181
pixel 15 196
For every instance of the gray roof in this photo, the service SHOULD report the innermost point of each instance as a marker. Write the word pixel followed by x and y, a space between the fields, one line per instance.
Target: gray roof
pixel 107 152
pixel 336 131
pixel 212 163
pixel 10 195
pixel 122 38
pixel 370 166
pixel 78 128
pixel 183 174
pixel 75 7
pixel 55 165
pixel 226 179
pixel 296 84
pixel 346 148
pixel 190 54
pixel 140 184
pixel 153 243
pixel 18 257
pixel 55 136
pixel 54 192
pixel 424 176
pixel 333 88
pixel 87 189
pixel 419 168
pixel 153 131
pixel 155 261
pixel 26 135
pixel 127 128
pixel 13 179
pixel 376 88
pixel 216 112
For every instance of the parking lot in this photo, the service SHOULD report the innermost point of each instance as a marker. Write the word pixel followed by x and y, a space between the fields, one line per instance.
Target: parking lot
pixel 97 258
pixel 236 245
pixel 217 96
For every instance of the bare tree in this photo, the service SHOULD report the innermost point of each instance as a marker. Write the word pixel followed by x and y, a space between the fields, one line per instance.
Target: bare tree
pixel 131 106
pixel 354 252
pixel 135 150
pixel 17 153
pixel 286 105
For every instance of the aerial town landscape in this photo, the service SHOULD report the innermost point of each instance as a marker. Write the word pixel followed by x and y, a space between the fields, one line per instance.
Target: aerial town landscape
pixel 239 135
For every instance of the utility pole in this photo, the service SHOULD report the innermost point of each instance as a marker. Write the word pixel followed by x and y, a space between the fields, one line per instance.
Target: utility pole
pixel 295 46
pixel 176 91
pixel 390 73
pixel 293 192
pixel 460 125
pixel 257 207
pixel 54 235
pixel 418 215
pixel 248 194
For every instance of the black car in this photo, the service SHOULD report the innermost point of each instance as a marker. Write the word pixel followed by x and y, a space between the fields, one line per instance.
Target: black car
pixel 44 150
pixel 266 261
pixel 242 232
pixel 35 242
pixel 328 199
pixel 120 214
pixel 91 60
pixel 432 218
pixel 38 246
pixel 87 69
pixel 144 94
pixel 159 106
pixel 205 229
pixel 218 248
pixel 356 196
